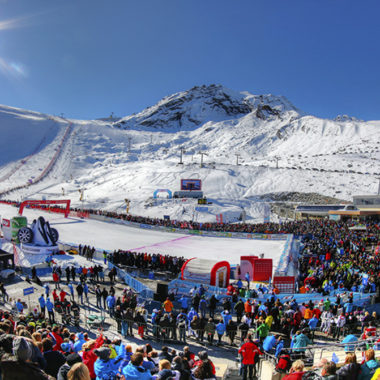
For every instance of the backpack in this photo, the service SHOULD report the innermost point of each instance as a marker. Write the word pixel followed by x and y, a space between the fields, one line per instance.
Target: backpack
pixel 284 363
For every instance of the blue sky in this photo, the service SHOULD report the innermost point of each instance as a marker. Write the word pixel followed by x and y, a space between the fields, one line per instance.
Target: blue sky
pixel 87 59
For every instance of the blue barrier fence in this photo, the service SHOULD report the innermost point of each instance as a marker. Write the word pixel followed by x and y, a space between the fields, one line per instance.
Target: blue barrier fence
pixel 183 287
pixel 135 284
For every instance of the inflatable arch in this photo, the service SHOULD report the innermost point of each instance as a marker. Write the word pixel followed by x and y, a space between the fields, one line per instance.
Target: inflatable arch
pixel 198 270
pixel 162 190
pixel 45 202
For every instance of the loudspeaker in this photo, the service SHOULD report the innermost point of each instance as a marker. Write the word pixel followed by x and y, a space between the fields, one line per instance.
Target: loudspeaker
pixel 162 290
pixel 157 297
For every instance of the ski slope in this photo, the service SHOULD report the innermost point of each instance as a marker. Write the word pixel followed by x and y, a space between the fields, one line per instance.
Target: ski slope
pixel 255 144
pixel 109 236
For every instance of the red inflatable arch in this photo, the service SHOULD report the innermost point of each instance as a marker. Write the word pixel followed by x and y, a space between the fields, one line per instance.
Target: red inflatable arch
pixel 66 211
pixel 198 270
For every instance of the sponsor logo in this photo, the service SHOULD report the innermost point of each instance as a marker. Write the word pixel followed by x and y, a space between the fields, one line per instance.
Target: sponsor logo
pixel 6 223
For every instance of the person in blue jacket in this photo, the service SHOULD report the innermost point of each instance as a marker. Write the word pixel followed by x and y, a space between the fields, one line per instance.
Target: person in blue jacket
pixel 85 291
pixel 50 309
pixel 226 316
pixel 47 289
pixel 299 342
pixel 71 288
pixel 19 306
pixel 203 306
pixel 42 302
pixel 248 279
pixel 126 358
pixel 369 367
pixel 134 369
pixel 220 330
pixel 79 342
pixel 111 304
pixel 104 367
pixel 313 322
pixel 190 314
pixel 280 346
pixel 348 307
pixel 184 302
pixel 269 343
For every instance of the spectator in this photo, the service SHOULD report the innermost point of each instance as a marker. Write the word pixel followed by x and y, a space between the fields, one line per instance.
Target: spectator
pixel 54 359
pixel 168 305
pixel 203 371
pixel 79 371
pixel 19 365
pixel 296 371
pixel 220 330
pixel 65 368
pixel 80 292
pixel 105 367
pixel 165 372
pixel 250 357
pixel 350 369
pixel 369 367
pixel 50 309
pixel 210 330
pixel 329 371
pixel 164 355
pixel 300 341
pixel 134 369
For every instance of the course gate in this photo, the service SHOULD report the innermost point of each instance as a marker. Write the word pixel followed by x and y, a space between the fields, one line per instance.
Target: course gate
pixel 162 190
pixel 35 203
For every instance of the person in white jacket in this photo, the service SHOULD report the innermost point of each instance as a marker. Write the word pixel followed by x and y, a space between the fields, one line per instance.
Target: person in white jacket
pixel 326 318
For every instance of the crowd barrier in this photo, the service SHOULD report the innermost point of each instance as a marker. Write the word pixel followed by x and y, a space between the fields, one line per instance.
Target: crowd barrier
pixel 174 334
pixel 183 287
pixel 135 284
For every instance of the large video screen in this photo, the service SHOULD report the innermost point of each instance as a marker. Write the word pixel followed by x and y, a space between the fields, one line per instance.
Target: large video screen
pixel 191 184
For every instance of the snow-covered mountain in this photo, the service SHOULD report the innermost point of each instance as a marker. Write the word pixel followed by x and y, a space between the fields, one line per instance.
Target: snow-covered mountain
pixel 278 148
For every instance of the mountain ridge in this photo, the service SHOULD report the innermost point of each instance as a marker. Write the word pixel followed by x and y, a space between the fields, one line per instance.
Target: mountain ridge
pixel 251 145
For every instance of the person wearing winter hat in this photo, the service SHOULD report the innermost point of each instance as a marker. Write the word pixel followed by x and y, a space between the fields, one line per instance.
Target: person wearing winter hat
pixel 19 365
pixel 104 366
pixel 65 368
pixel 22 349
pixel 66 348
pixel 79 342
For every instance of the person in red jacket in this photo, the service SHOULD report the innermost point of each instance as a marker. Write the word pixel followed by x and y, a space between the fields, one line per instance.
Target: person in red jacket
pixel 56 280
pixel 296 372
pixel 203 355
pixel 250 355
pixel 56 333
pixel 89 357
pixel 62 295
pixel 55 296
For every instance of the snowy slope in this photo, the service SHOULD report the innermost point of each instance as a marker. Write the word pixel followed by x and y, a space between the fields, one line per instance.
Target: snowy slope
pixel 107 236
pixel 280 149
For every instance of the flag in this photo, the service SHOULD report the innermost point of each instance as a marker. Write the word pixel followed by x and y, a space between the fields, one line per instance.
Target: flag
pixel 334 358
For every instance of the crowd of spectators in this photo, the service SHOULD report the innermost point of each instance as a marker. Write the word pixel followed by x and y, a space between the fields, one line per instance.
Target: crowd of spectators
pixel 143 260
pixel 36 351
pixel 334 257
